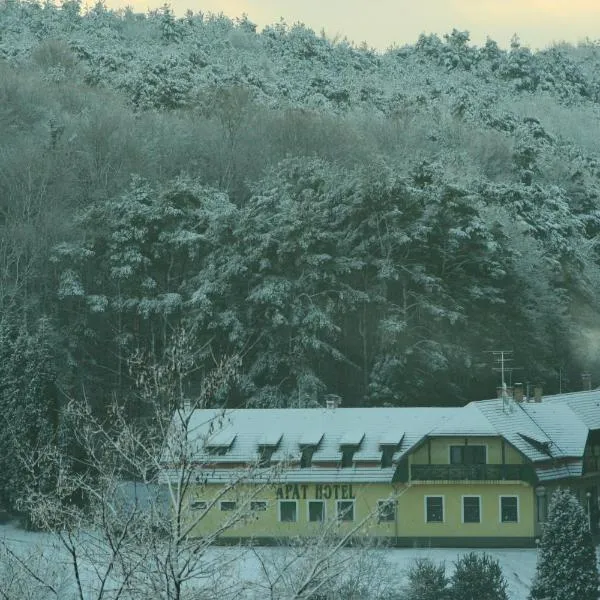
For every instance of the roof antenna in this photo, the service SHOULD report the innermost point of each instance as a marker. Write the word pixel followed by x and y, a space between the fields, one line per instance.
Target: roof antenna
pixel 501 357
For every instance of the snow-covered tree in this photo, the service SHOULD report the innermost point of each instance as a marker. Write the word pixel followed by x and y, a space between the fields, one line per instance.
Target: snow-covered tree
pixel 478 577
pixel 567 567
pixel 427 581
pixel 30 409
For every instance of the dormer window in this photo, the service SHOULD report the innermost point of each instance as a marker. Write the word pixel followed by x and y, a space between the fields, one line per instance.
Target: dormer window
pixel 387 455
pixel 266 448
pixel 265 453
pixel 217 450
pixel 540 445
pixel 389 445
pixel 308 443
pixel 348 456
pixel 306 456
pixel 349 444
pixel 220 443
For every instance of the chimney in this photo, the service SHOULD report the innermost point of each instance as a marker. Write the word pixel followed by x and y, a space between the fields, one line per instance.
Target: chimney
pixel 537 392
pixel 518 392
pixel 586 382
pixel 509 391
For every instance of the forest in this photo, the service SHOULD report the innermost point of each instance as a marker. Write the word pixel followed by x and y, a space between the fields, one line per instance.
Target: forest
pixel 346 222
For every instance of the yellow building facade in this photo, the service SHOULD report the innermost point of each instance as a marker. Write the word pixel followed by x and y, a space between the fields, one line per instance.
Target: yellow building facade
pixel 479 475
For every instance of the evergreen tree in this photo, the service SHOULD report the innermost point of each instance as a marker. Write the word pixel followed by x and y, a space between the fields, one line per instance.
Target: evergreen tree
pixel 477 577
pixel 29 405
pixel 566 567
pixel 427 581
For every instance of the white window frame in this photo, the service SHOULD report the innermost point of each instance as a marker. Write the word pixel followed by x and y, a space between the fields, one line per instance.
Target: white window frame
pixel 265 502
pixel 198 505
pixel 443 508
pixel 450 446
pixel 541 501
pixel 279 502
pixel 235 506
pixel 462 509
pixel 500 509
pixel 394 503
pixel 337 510
pixel 323 503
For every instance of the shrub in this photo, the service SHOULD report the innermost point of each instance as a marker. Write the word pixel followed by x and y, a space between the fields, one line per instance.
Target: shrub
pixel 477 577
pixel 427 581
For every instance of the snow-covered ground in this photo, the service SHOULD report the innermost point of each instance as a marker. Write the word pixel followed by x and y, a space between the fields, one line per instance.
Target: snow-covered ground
pixel 518 565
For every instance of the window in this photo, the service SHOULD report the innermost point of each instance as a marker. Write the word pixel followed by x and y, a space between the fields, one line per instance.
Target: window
pixel 434 509
pixel 264 455
pixel 387 455
pixel 386 511
pixel 288 511
pixel 348 456
pixel 198 505
pixel 345 510
pixel 258 506
pixel 306 458
pixel 471 509
pixel 228 506
pixel 509 509
pixel 468 455
pixel 316 511
pixel 220 443
pixel 541 505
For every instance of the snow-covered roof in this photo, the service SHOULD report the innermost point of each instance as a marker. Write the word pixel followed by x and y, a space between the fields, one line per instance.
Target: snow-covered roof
pixel 288 430
pixel 352 438
pixel 552 434
pixel 311 438
pixel 391 438
pixel 468 420
pixel 221 439
pixel 538 430
pixel 270 438
pixel 549 472
pixel 586 405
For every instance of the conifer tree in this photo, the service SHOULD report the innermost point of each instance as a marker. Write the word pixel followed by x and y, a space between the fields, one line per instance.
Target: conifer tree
pixel 477 577
pixel 566 567
pixel 427 581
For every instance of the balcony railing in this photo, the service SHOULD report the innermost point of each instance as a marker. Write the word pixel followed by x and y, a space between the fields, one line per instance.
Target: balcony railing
pixel 472 473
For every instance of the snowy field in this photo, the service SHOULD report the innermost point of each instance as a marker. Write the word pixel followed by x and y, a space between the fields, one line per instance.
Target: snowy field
pixel 243 563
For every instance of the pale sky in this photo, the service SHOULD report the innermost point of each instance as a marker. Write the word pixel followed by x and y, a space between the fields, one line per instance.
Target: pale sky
pixel 381 23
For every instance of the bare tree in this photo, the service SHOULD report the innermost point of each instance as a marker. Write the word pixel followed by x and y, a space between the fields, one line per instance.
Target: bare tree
pixel 334 564
pixel 120 511
pixel 119 504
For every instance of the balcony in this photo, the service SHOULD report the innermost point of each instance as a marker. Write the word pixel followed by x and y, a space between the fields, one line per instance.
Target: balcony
pixel 472 473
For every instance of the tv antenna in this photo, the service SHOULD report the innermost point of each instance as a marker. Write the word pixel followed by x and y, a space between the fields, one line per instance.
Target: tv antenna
pixel 501 358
